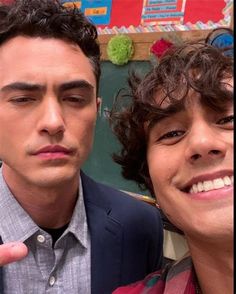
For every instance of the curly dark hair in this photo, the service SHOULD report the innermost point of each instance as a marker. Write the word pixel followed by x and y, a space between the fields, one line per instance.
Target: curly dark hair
pixel 191 66
pixel 50 19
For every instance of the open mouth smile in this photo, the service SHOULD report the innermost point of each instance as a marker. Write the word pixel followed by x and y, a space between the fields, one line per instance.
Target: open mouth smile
pixel 223 179
pixel 215 184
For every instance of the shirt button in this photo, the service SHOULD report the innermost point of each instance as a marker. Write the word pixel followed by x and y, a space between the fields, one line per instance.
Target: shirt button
pixel 41 238
pixel 52 280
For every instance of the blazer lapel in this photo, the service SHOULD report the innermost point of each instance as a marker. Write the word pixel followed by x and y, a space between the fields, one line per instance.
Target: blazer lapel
pixel 106 240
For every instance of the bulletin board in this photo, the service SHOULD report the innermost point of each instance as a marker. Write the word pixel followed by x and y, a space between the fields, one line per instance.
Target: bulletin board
pixel 147 20
pixel 147 16
pixel 130 16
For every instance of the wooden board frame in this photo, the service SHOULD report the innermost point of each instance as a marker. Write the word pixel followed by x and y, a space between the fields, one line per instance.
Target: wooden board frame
pixel 143 41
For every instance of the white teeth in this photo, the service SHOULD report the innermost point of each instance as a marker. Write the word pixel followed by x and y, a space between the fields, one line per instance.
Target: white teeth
pixel 218 183
pixel 227 181
pixel 211 185
pixel 195 188
pixel 207 185
pixel 200 187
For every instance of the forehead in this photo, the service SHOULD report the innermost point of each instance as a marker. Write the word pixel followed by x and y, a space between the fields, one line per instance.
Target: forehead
pixel 185 96
pixel 163 106
pixel 38 58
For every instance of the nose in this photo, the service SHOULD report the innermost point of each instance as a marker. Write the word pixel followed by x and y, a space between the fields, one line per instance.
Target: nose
pixel 205 144
pixel 51 120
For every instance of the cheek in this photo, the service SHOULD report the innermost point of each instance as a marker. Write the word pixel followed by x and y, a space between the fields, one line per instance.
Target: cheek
pixel 14 125
pixel 162 171
pixel 159 175
pixel 8 137
pixel 10 149
pixel 161 167
pixel 83 128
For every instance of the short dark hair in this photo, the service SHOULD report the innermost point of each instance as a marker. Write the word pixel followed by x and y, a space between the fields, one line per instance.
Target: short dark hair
pixel 197 66
pixel 50 19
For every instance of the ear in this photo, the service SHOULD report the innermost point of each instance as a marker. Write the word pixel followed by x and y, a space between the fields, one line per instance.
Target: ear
pixel 99 104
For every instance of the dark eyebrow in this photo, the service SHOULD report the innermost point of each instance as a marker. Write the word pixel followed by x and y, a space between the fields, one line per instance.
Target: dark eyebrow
pixel 22 86
pixel 75 84
pixel 162 113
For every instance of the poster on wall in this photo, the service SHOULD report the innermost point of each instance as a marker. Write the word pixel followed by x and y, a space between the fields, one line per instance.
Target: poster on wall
pixel 138 16
pixel 163 11
pixel 98 11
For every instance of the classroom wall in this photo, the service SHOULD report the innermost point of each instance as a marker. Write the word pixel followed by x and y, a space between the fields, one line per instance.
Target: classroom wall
pixel 100 164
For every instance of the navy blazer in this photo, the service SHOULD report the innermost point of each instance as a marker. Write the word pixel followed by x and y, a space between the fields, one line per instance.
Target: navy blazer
pixel 126 237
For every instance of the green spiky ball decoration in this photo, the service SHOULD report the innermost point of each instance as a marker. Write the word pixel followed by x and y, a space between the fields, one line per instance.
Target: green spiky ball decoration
pixel 120 49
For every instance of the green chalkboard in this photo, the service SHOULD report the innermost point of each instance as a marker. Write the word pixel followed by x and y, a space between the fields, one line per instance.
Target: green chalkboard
pixel 100 165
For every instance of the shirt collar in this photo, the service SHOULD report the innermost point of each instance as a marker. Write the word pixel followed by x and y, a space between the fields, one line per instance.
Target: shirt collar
pixel 78 224
pixel 17 225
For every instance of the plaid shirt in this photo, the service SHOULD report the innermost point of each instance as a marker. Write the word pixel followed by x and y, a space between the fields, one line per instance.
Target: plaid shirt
pixel 176 278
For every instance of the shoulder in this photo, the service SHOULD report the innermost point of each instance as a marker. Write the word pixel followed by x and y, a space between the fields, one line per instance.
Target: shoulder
pixel 118 201
pixel 139 222
pixel 120 205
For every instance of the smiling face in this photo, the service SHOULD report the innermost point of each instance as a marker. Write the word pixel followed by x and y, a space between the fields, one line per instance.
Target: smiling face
pixel 190 160
pixel 48 109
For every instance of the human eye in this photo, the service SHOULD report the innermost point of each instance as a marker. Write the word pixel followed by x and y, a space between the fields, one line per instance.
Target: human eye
pixel 22 100
pixel 171 137
pixel 75 100
pixel 228 120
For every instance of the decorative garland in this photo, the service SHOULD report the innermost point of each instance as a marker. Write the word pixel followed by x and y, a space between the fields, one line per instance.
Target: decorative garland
pixel 120 49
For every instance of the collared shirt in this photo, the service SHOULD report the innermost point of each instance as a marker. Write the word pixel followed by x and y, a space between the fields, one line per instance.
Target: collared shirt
pixel 66 268
pixel 176 278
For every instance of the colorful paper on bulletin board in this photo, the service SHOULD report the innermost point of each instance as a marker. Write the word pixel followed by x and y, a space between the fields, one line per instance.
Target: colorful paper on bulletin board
pixel 163 11
pixel 127 16
pixel 98 11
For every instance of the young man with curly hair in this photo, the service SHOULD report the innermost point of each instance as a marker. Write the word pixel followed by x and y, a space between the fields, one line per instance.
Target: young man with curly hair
pixel 177 141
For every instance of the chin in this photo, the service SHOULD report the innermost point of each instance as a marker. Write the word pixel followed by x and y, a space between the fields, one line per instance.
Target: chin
pixel 55 178
pixel 211 229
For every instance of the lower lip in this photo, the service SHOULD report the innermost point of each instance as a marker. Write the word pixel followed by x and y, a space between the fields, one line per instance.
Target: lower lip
pixel 214 194
pixel 53 155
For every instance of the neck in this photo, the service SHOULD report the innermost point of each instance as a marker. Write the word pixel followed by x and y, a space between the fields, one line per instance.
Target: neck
pixel 49 207
pixel 213 262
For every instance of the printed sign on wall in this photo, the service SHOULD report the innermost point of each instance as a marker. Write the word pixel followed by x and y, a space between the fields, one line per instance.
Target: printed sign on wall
pixel 163 11
pixel 98 11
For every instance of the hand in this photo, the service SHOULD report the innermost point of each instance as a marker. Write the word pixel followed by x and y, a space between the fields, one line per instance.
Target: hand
pixel 11 252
